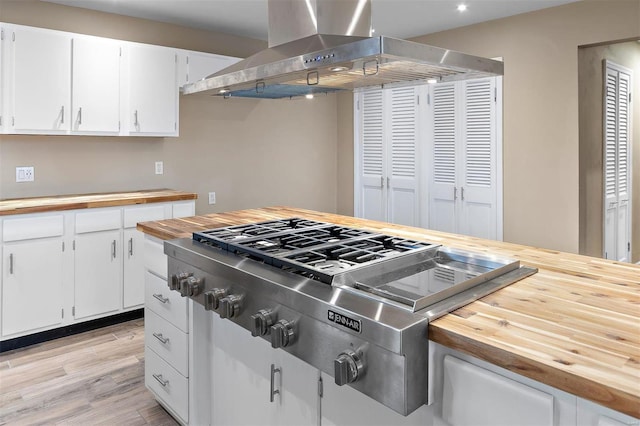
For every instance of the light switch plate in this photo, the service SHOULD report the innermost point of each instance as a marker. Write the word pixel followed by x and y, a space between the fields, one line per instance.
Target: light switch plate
pixel 212 198
pixel 25 174
pixel 159 167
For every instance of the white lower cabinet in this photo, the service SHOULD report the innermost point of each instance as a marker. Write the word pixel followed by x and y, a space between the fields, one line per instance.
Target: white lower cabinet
pixel 32 273
pixel 279 388
pixel 169 386
pixel 590 414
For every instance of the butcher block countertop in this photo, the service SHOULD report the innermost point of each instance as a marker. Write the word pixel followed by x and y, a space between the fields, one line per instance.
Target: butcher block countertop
pixel 575 325
pixel 86 201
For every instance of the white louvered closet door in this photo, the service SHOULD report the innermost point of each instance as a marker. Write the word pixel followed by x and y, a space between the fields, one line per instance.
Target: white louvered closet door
pixel 442 173
pixel 372 203
pixel 617 156
pixel 402 182
pixel 478 178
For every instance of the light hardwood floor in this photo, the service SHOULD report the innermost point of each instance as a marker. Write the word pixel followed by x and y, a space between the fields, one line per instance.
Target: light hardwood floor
pixel 90 378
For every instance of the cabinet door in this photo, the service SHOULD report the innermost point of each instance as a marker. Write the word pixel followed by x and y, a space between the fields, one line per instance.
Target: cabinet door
pixel 98 276
pixel 242 372
pixel 133 276
pixel 343 405
pixel 96 86
pixel 41 77
pixel 201 65
pixel 153 91
pixel 31 285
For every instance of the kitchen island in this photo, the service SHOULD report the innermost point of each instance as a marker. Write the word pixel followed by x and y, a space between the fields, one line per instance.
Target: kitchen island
pixel 574 325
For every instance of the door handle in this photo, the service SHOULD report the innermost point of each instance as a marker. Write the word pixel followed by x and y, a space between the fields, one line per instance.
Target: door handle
pixel 462 193
pixel 455 193
pixel 130 246
pixel 381 182
pixel 135 115
pixel 80 116
pixel 273 391
pixel 62 114
pixel 113 249
pixel 388 181
pixel 11 264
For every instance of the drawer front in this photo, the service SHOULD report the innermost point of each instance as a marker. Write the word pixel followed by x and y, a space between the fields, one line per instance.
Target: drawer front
pixel 133 215
pixel 185 209
pixel 32 227
pixel 166 383
pixel 164 302
pixel 154 258
pixel 167 341
pixel 100 220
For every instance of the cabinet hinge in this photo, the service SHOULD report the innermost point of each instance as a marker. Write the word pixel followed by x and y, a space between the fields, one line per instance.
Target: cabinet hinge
pixel 1 34
pixel 358 105
pixel 429 99
pixel 629 97
pixel 495 94
pixel 606 255
pixel 175 126
pixel 13 121
pixel 628 245
pixel 118 126
pixel 13 36
pixel 63 246
pixel 120 52
pixel 63 313
pixel 187 77
pixel 320 387
pixel 175 58
pixel 73 311
pixel 74 245
pixel 418 100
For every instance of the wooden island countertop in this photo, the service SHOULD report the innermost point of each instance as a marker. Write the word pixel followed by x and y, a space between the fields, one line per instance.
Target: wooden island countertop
pixel 86 201
pixel 574 325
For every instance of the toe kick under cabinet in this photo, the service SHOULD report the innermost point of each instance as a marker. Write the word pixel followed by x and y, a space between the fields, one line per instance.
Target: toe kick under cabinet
pixel 65 267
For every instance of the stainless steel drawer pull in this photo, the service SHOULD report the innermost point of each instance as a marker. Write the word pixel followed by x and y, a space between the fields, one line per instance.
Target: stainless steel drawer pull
pixel 11 264
pixel 160 337
pixel 131 246
pixel 113 249
pixel 273 391
pixel 160 298
pixel 164 382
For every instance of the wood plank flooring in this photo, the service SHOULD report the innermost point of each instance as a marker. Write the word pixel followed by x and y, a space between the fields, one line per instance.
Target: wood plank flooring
pixel 90 378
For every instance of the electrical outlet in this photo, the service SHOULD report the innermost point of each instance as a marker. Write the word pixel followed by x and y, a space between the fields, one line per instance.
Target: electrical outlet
pixel 159 167
pixel 25 174
pixel 212 198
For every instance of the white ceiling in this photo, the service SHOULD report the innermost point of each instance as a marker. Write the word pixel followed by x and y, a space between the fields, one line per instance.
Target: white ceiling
pixel 394 18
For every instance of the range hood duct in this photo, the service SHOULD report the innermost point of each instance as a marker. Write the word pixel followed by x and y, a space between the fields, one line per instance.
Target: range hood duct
pixel 322 46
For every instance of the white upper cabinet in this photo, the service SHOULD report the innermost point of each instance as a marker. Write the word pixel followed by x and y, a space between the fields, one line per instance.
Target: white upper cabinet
pixel 153 92
pixel 194 66
pixel 95 98
pixel 38 80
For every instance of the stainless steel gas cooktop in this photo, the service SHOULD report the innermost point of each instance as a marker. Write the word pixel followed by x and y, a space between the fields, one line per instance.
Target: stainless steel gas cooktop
pixel 366 298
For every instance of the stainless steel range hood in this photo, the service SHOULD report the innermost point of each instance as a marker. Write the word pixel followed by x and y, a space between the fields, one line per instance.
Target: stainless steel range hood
pixel 321 46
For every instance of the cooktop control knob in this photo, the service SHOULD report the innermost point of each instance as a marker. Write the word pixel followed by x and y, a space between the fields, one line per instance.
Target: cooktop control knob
pixel 230 306
pixel 191 286
pixel 174 283
pixel 282 334
pixel 212 298
pixel 262 321
pixel 348 366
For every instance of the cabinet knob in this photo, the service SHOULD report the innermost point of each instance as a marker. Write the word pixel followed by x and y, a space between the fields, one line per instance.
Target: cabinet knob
pixel 348 367
pixel 282 334
pixel 230 306
pixel 212 298
pixel 262 321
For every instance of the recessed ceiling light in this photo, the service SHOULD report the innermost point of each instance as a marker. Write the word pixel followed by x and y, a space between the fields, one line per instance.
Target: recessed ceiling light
pixel 337 69
pixel 432 81
pixel 223 91
pixel 309 96
pixel 462 7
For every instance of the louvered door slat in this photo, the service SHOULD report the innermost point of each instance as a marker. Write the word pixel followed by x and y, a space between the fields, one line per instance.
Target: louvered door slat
pixel 444 135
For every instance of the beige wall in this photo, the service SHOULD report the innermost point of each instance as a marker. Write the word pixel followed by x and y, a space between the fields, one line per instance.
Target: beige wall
pixel 251 153
pixel 345 157
pixel 540 52
pixel 590 79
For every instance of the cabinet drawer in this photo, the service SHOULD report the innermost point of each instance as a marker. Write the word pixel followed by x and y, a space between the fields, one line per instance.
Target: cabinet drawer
pixel 164 302
pixel 154 258
pixel 167 341
pixel 32 227
pixel 166 383
pixel 133 215
pixel 100 220
pixel 184 209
